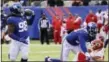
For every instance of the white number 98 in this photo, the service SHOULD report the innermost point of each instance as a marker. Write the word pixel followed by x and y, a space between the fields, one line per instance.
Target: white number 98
pixel 23 26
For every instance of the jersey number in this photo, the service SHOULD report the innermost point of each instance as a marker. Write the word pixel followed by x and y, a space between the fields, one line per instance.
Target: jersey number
pixel 23 26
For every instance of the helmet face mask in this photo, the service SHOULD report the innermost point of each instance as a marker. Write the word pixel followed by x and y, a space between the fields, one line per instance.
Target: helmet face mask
pixel 92 32
pixel 92 29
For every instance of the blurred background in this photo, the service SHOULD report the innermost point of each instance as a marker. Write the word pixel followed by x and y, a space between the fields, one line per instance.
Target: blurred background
pixel 45 3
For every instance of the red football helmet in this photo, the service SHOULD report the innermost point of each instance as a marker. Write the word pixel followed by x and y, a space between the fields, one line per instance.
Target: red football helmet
pixel 97 44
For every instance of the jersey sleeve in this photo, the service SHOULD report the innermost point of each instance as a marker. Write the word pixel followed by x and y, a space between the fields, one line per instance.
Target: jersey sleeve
pixel 82 43
pixel 10 20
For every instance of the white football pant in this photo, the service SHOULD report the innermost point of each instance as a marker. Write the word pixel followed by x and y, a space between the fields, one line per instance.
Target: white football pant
pixel 16 47
pixel 66 48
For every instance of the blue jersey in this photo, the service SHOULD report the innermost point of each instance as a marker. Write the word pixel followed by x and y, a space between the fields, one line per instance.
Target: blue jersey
pixel 78 37
pixel 21 27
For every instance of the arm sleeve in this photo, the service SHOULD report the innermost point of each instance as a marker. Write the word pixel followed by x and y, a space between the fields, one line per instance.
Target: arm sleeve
pixel 82 43
pixel 31 20
pixel 13 36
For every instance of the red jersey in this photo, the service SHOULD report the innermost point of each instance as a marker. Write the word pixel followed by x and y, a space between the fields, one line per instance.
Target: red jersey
pixel 69 23
pixel 53 21
pixel 57 24
pixel 77 23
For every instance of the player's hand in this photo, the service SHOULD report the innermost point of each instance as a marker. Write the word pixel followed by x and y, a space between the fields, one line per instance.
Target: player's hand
pixel 87 56
pixel 23 40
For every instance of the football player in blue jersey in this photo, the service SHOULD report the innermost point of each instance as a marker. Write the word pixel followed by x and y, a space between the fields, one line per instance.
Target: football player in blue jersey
pixel 18 32
pixel 76 42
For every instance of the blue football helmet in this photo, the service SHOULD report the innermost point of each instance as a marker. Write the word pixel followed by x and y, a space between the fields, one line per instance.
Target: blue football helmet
pixel 92 29
pixel 16 9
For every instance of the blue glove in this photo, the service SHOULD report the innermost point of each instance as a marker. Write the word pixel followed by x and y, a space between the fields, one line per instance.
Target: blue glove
pixel 23 40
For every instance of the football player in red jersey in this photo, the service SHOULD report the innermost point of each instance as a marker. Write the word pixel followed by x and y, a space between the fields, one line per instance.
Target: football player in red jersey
pixel 97 51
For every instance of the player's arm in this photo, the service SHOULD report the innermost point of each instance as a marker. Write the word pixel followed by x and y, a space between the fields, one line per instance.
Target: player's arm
pixel 82 43
pixel 30 19
pixel 29 14
pixel 83 46
pixel 10 28
pixel 97 58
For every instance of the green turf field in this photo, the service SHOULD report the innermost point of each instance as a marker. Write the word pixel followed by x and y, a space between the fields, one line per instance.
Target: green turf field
pixel 38 52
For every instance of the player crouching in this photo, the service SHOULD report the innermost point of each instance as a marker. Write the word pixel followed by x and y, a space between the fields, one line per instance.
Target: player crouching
pixel 96 52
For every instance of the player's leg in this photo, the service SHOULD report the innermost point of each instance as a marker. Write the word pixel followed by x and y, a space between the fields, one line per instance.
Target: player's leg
pixel 24 52
pixel 65 50
pixel 75 50
pixel 13 50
